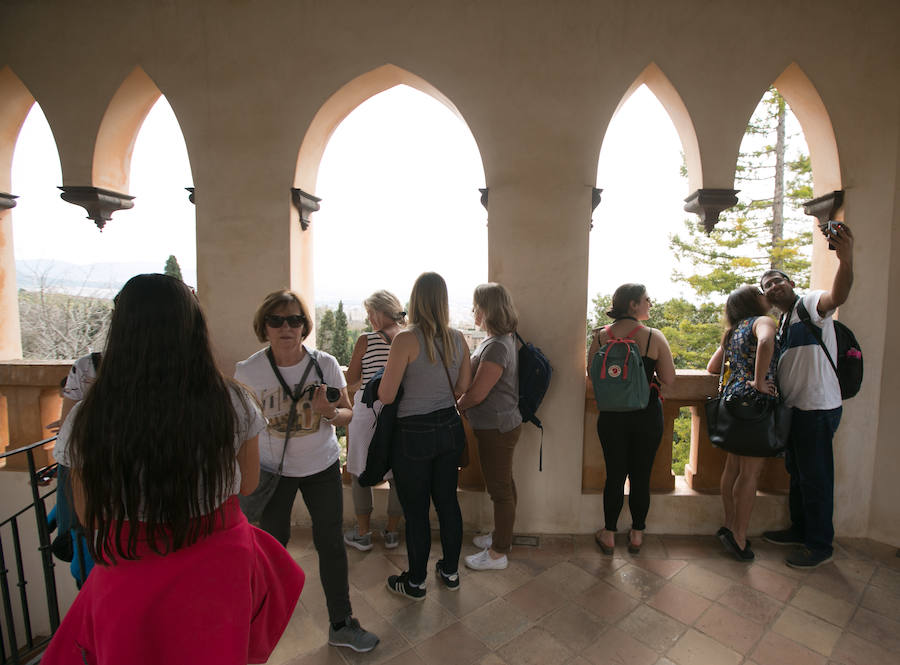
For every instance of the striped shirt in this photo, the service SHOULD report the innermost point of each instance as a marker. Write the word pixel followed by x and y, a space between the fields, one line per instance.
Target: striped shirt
pixel 375 357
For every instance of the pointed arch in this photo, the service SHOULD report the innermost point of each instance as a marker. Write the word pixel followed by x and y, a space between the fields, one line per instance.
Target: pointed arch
pixel 804 100
pixel 659 84
pixel 15 103
pixel 119 128
pixel 342 103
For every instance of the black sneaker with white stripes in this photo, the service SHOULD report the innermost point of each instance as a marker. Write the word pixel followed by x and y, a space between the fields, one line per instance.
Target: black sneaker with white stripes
pixel 401 585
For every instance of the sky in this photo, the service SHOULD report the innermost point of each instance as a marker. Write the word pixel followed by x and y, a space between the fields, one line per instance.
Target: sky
pixel 401 167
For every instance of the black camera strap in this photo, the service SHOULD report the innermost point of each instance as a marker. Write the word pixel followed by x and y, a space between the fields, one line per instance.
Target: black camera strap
pixel 295 396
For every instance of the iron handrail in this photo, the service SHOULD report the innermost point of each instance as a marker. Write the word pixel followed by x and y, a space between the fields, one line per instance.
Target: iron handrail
pixel 10 639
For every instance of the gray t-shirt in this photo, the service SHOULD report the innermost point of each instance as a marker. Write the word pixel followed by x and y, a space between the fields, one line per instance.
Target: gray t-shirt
pixel 500 409
pixel 425 385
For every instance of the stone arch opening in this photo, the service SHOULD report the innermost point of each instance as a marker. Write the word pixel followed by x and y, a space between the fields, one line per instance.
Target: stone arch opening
pixel 807 105
pixel 15 103
pixel 118 131
pixel 333 112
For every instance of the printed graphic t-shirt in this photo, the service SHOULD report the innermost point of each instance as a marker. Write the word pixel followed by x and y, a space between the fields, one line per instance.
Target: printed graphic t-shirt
pixel 313 445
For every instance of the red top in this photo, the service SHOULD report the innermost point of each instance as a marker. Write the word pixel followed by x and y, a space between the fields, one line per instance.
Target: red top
pixel 224 600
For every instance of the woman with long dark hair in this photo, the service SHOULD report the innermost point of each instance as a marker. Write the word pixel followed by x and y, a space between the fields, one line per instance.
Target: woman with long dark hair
pixel 748 349
pixel 430 361
pixel 158 449
pixel 630 438
pixel 492 406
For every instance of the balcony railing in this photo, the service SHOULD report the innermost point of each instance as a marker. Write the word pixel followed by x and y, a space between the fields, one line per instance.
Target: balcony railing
pixel 19 642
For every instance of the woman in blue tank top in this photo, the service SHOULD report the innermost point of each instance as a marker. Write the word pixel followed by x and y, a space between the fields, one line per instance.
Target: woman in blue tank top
pixel 748 349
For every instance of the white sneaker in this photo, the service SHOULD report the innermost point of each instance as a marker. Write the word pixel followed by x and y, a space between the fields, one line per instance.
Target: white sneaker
pixel 483 541
pixel 484 561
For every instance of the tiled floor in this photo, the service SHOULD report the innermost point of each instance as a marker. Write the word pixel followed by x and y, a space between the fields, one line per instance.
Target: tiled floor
pixel 681 600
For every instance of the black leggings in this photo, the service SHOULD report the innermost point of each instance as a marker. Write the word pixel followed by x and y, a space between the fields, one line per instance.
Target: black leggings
pixel 629 441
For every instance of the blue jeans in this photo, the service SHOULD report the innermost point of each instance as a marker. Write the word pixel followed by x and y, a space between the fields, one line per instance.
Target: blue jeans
pixel 425 458
pixel 810 461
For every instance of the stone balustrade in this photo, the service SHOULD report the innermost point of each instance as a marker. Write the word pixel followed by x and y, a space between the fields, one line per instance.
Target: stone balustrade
pixel 30 402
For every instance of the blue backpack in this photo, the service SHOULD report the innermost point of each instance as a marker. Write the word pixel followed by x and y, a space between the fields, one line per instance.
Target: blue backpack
pixel 534 379
pixel 618 376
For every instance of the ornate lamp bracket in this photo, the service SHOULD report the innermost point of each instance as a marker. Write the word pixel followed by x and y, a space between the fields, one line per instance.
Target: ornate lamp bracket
pixel 7 201
pixel 190 191
pixel 595 201
pixel 99 203
pixel 707 204
pixel 484 196
pixel 824 207
pixel 306 205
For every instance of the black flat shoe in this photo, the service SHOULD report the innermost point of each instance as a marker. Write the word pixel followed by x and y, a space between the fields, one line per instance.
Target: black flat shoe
pixel 632 548
pixel 743 555
pixel 606 549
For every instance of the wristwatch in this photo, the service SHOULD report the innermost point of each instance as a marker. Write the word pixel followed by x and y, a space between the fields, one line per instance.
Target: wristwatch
pixel 331 420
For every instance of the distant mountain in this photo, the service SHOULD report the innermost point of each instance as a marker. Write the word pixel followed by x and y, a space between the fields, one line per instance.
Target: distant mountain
pixel 101 280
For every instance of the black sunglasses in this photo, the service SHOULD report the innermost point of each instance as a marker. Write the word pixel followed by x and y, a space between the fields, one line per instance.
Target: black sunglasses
pixel 276 321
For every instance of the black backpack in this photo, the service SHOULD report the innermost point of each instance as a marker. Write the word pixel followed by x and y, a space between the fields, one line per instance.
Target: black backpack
pixel 849 366
pixel 534 379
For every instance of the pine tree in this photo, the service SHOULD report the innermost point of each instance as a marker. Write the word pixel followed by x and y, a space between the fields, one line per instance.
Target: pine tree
pixel 325 334
pixel 341 346
pixel 172 268
pixel 760 233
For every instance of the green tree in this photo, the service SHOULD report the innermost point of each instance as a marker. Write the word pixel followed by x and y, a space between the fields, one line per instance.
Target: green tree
pixel 172 268
pixel 325 331
pixel 766 231
pixel 341 345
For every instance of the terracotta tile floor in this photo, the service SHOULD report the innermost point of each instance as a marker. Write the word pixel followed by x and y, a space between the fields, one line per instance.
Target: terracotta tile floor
pixel 682 600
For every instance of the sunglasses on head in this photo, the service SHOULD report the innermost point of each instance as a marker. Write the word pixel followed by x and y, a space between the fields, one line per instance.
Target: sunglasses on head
pixel 293 320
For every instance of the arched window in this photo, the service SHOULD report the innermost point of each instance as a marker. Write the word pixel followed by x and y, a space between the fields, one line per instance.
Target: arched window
pixel 399 181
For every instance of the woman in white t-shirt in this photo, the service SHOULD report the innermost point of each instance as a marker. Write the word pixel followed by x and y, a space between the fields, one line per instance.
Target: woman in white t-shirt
pixel 304 395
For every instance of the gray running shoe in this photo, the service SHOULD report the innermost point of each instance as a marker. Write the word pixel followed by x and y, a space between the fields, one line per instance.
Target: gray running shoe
pixel 391 539
pixel 353 539
pixel 353 636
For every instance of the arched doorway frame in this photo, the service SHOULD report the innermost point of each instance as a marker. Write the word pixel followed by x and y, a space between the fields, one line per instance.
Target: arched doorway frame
pixel 15 103
pixel 326 120
pixel 815 121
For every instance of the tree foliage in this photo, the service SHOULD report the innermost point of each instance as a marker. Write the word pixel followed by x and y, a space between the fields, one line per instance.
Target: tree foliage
pixel 333 334
pixel 60 325
pixel 172 268
pixel 767 228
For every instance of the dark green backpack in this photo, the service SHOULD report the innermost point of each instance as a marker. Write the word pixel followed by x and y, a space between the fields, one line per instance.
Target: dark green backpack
pixel 618 376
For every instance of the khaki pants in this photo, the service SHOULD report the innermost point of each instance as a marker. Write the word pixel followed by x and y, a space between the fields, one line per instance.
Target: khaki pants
pixel 496 452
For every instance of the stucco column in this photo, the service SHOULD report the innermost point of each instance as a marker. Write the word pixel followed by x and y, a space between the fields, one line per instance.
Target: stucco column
pixel 10 333
pixel 245 243
pixel 538 248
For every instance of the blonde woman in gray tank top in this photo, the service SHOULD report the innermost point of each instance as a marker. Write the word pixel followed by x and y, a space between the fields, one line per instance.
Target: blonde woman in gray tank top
pixel 428 437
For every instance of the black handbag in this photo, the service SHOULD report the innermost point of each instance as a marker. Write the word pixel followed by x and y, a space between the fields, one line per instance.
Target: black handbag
pixel 748 425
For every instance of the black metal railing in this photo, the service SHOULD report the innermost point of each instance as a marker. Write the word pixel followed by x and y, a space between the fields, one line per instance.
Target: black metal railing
pixel 12 647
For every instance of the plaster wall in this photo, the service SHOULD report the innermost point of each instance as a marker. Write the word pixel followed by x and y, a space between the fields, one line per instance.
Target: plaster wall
pixel 537 84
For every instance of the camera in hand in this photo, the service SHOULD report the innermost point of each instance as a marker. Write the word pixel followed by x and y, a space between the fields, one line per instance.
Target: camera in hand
pixel 829 229
pixel 332 394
